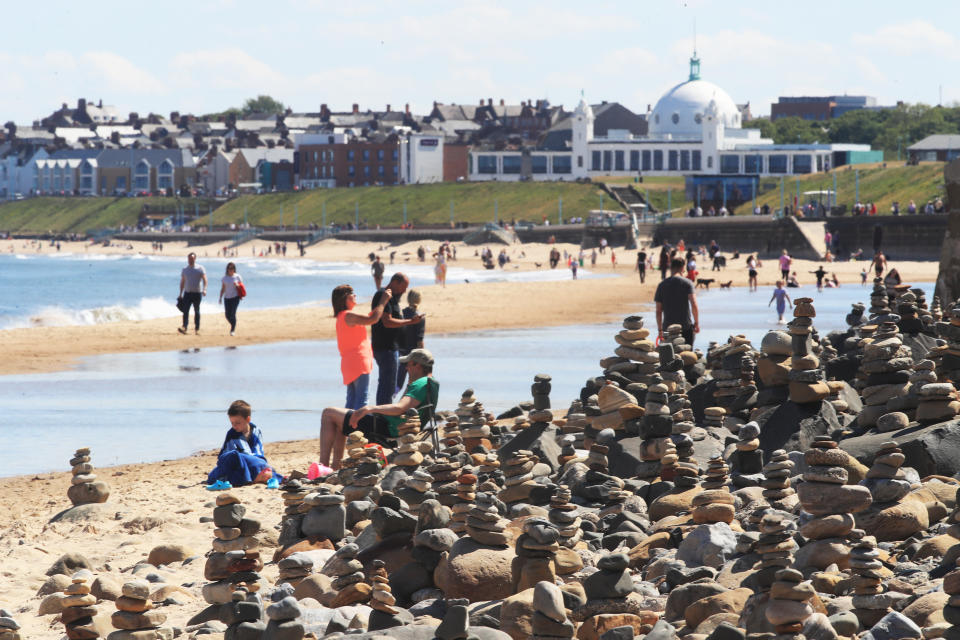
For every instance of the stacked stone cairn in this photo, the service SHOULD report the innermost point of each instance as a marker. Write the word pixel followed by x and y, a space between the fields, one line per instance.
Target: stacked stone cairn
pixel 878 298
pixel 283 615
pixel 466 494
pixel 887 363
pixel 452 438
pixel 936 311
pixel 563 515
pixel 674 335
pixel 84 486
pixel 747 458
pixel 775 546
pixel 134 617
pixel 668 463
pixel 347 573
pixel 411 449
pixel 294 568
pixel 908 308
pixel 364 485
pixel 79 608
pixel 656 428
pixel 416 488
pixel 607 589
pixel 549 613
pixel 855 318
pixel 488 467
pixel 773 367
pixel 726 363
pixel 294 510
pixel 568 449
pixel 713 417
pixel 938 402
pixel 776 482
pixel 382 601
pixel 828 503
pixel 327 517
pixel 445 472
pixel 536 554
pixel 806 377
pixel 575 423
pixel 715 503
pixel 233 564
pixel 518 472
pixel 789 604
pixel 610 399
pixel 888 486
pixel 9 628
pixel 472 422
pixel 871 599
pixel 485 524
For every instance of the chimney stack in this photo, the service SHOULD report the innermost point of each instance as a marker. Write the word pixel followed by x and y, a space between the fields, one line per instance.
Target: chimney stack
pixel 356 108
pixel 501 102
pixel 388 108
pixel 489 102
pixel 406 108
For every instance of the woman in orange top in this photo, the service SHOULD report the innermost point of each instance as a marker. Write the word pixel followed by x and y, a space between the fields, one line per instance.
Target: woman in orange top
pixel 353 342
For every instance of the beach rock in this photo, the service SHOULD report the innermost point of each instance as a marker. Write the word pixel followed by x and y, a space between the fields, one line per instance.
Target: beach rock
pixel 731 601
pixel 599 627
pixel 708 544
pixel 540 438
pixel 106 588
pixel 898 521
pixel 169 553
pixel 475 572
pixel 927 610
pixel 792 426
pixel 68 564
pixel 893 626
pixel 683 596
pixel 54 584
pixel 931 450
pixel 516 613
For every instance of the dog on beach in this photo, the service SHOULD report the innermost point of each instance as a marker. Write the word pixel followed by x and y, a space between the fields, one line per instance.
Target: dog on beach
pixel 704 283
pixel 726 285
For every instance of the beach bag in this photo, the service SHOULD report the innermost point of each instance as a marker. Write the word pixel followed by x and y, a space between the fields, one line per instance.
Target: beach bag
pixel 242 290
pixel 182 305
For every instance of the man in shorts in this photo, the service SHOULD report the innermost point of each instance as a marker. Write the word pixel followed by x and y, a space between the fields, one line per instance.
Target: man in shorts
pixel 675 299
pixel 379 423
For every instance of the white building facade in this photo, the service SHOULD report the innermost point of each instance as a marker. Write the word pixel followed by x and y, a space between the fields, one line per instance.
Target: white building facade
pixel 421 158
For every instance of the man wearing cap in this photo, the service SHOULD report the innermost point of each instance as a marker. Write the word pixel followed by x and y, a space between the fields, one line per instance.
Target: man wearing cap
pixel 385 337
pixel 380 422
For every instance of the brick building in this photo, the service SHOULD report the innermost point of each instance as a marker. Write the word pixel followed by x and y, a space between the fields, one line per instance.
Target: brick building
pixel 340 160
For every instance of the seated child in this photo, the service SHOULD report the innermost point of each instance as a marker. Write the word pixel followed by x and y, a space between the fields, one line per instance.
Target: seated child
pixel 241 460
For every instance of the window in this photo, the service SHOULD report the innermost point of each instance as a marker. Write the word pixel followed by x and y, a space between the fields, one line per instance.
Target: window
pixel 141 176
pixel 802 164
pixel 395 171
pixel 561 164
pixel 351 171
pixel 579 161
pixel 511 163
pixel 315 156
pixel 121 182
pixel 595 161
pixel 350 155
pixel 486 164
pixel 647 164
pixel 68 182
pixel 165 175
pixel 396 154
pixel 618 160
pixel 380 155
pixel 538 164
pixel 658 160
pixel 607 157
pixel 684 160
pixel 729 163
pixel 380 170
pixel 675 118
pixel 695 157
pixel 777 163
pixel 634 161
pixel 672 160
pixel 753 164
pixel 709 162
pixel 366 155
pixel 366 171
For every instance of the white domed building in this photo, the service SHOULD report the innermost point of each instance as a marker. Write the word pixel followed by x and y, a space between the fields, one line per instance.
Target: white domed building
pixel 695 130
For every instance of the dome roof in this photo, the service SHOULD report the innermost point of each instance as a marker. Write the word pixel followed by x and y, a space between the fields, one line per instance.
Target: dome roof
pixel 680 110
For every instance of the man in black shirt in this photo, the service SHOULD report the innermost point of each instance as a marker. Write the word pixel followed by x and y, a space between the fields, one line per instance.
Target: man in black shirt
pixel 675 300
pixel 642 264
pixel 385 336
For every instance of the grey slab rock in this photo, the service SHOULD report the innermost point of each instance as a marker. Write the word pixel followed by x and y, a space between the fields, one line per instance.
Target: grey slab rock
pixel 931 450
pixel 893 626
pixel 709 544
pixel 540 438
pixel 793 427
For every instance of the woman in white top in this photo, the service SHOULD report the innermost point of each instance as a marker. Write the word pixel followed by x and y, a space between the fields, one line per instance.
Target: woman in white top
pixel 230 295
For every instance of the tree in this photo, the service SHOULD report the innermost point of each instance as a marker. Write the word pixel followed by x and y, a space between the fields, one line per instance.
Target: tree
pixel 262 104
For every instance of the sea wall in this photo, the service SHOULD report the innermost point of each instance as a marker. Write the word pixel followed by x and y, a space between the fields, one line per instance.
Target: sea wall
pixel 763 235
pixel 901 237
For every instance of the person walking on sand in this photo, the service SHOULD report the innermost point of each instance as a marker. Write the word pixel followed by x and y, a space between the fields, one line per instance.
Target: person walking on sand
pixel 376 270
pixel 863 277
pixel 664 263
pixel 677 303
pixel 230 295
pixel 780 295
pixel 574 264
pixel 785 262
pixel 879 263
pixel 440 269
pixel 193 286
pixel 642 264
pixel 385 339
pixel 613 258
pixel 353 343
pixel 820 275
pixel 752 272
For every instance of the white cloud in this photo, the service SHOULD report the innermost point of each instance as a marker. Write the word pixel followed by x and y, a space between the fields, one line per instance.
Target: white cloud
pixel 917 37
pixel 228 68
pixel 119 74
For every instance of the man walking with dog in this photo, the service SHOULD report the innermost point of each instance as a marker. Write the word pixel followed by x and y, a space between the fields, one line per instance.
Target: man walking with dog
pixel 677 303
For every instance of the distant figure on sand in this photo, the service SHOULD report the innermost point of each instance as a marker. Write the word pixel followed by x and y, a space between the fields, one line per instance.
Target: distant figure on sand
pixel 356 354
pixel 230 295
pixel 241 460
pixel 675 300
pixel 879 263
pixel 379 423
pixel 376 270
pixel 642 264
pixel 384 336
pixel 440 269
pixel 785 262
pixel 613 258
pixel 780 295
pixel 792 281
pixel 752 265
pixel 193 286
pixel 573 267
pixel 411 336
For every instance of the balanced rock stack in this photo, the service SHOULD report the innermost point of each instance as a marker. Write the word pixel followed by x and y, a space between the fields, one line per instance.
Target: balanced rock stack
pixel 445 472
pixel 789 604
pixel 416 488
pixel 411 423
pixel 908 309
pixel 327 517
pixel 79 608
pixel 9 628
pixel 382 600
pixel 656 427
pixel 610 399
pixel 294 568
pixel 355 452
pixel 776 482
pixel 891 518
pixel 485 524
pixel 540 389
pixel 364 483
pixel 410 452
pixel 827 504
pixel 715 503
pixel 855 318
pixel 347 574
pixel 885 480
pixel 713 417
pixel 452 436
pixel 878 298
pixel 563 516
pixel 671 367
pixel 597 457
pixel 806 377
pixel 549 613
pixel 636 357
pixel 294 510
pixel 283 616
pixel 235 559
pixel 871 600
pixel 612 581
pixel 575 423
pixel 568 450
pixel 775 546
pixel 466 494
pixel 536 554
pixel 84 486
pixel 674 335
pixel 518 480
pixel 135 617
pixel 938 402
pixel 936 310
pixel 727 361
pixel 488 467
pixel 747 458
pixel 773 367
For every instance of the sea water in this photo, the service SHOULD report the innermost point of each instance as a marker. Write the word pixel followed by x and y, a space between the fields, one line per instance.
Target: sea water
pixel 57 289
pixel 154 406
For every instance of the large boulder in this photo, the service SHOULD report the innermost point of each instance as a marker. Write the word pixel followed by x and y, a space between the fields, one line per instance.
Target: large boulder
pixel 931 450
pixel 793 426
pixel 540 438
pixel 895 522
pixel 475 572
pixel 709 544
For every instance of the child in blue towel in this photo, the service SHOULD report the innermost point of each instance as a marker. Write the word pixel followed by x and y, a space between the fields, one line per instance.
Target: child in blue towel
pixel 241 460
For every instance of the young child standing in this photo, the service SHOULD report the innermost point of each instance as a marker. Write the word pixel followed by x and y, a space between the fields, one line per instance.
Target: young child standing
pixel 780 295
pixel 411 336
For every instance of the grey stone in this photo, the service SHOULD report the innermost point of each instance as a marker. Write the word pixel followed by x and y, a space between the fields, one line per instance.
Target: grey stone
pixel 68 563
pixel 845 623
pixel 386 521
pixel 455 625
pixel 436 539
pixel 325 522
pixel 893 626
pixel 708 544
pixel 286 609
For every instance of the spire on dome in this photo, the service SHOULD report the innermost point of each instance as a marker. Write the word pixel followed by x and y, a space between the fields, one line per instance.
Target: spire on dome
pixel 694 66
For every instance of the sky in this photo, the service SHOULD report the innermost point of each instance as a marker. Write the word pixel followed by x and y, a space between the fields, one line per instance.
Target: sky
pixel 208 55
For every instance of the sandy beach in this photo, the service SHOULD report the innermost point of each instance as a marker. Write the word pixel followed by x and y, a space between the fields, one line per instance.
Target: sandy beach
pixel 458 307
